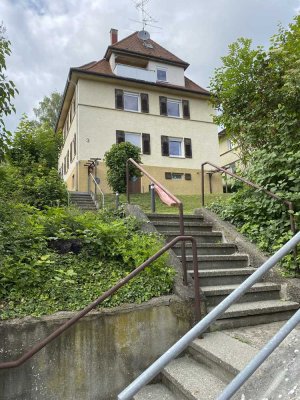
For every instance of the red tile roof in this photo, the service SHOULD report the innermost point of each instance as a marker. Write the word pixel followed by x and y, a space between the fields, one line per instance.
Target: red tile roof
pixel 102 67
pixel 133 44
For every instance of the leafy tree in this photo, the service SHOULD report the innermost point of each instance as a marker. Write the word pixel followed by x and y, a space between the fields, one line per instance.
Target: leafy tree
pixel 115 160
pixel 257 94
pixel 257 91
pixel 7 91
pixel 48 109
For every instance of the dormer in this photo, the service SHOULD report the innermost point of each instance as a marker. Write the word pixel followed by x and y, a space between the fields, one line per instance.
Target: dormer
pixel 139 57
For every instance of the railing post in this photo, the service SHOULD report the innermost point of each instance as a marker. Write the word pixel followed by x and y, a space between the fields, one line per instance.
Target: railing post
pixel 127 182
pixel 202 184
pixel 196 282
pixel 117 200
pixel 152 194
pixel 183 259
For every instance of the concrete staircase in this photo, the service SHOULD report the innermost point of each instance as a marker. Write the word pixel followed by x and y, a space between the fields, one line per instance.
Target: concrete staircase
pixel 209 364
pixel 82 200
pixel 221 270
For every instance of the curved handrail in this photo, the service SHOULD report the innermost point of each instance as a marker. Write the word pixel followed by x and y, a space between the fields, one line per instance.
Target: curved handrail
pixel 205 323
pixel 288 203
pixel 177 201
pixel 99 188
pixel 108 293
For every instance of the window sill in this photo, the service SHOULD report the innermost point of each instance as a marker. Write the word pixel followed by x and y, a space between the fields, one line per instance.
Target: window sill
pixel 171 156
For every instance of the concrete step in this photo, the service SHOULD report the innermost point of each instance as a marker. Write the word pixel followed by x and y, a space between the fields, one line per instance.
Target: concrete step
pixel 225 360
pixel 174 217
pixel 207 248
pixel 155 392
pixel 219 261
pixel 258 292
pixel 189 380
pixel 255 313
pixel 214 277
pixel 188 226
pixel 201 237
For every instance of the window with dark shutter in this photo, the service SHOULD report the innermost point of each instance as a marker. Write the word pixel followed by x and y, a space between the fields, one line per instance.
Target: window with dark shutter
pixel 188 177
pixel 163 105
pixel 186 109
pixel 146 143
pixel 119 99
pixel 120 137
pixel 144 102
pixel 188 147
pixel 168 175
pixel 74 144
pixel 164 145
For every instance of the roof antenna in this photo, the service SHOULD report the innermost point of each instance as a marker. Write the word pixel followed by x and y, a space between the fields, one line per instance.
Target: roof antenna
pixel 147 20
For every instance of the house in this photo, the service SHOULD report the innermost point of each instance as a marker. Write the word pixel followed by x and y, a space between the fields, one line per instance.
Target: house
pixel 229 153
pixel 137 93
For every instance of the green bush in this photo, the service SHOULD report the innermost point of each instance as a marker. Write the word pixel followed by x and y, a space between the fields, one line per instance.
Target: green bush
pixel 115 160
pixel 35 279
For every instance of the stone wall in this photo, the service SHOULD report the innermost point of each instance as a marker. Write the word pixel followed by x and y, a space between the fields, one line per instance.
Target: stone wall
pixel 94 359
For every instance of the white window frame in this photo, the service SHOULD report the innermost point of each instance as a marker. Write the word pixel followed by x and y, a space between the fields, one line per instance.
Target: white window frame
pixel 134 133
pixel 179 107
pixel 176 139
pixel 164 70
pixel 138 101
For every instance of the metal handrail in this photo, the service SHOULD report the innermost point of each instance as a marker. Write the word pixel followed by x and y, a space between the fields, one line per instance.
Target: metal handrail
pixel 174 198
pixel 288 203
pixel 110 292
pixel 202 326
pixel 100 190
pixel 260 357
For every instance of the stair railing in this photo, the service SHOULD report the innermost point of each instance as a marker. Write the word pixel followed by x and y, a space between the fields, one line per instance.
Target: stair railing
pixel 94 195
pixel 175 199
pixel 204 324
pixel 287 203
pixel 35 349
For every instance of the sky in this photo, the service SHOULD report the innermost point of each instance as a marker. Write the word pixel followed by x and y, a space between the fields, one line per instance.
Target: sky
pixel 50 36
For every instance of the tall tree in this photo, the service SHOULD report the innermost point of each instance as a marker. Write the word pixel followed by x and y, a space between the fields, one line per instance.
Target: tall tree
pixel 7 91
pixel 48 109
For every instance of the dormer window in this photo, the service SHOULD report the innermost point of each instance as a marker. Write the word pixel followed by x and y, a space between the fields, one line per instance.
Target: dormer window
pixel 161 74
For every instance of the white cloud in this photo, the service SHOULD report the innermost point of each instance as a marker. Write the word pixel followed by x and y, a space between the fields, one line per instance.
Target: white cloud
pixel 50 36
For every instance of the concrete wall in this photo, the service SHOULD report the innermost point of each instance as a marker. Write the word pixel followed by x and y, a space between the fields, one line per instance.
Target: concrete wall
pixel 96 358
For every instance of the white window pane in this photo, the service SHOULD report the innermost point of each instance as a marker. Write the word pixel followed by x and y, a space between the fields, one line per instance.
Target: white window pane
pixel 173 108
pixel 175 148
pixel 133 138
pixel 131 102
pixel 161 75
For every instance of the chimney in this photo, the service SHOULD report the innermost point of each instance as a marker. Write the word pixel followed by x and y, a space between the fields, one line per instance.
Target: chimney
pixel 113 36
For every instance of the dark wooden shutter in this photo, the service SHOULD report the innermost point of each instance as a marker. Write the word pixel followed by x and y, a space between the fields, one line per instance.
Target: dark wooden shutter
pixel 144 102
pixel 119 99
pixel 146 143
pixel 164 145
pixel 120 137
pixel 168 175
pixel 188 147
pixel 186 109
pixel 163 105
pixel 188 177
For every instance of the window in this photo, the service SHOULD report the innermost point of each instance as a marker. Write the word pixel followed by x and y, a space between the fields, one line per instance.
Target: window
pixel 176 147
pixel 131 101
pixel 172 108
pixel 71 151
pixel 229 144
pixel 137 139
pixel 176 176
pixel 161 74
pixel 74 145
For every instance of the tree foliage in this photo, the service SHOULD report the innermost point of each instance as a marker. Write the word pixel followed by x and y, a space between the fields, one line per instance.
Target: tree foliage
pixel 48 109
pixel 115 160
pixel 257 94
pixel 257 91
pixel 7 91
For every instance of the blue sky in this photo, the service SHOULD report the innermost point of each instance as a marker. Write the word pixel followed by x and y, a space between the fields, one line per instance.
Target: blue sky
pixel 50 36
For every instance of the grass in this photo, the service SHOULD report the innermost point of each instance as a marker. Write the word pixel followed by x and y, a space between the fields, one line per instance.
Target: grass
pixel 190 202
